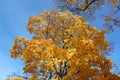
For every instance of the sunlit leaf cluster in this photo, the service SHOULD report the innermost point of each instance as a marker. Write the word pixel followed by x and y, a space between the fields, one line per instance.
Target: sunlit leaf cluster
pixel 114 2
pixel 15 78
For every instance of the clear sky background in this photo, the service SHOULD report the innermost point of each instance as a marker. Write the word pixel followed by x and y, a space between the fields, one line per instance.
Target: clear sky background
pixel 14 15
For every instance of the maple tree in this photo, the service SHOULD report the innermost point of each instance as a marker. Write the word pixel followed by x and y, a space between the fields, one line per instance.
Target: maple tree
pixel 64 47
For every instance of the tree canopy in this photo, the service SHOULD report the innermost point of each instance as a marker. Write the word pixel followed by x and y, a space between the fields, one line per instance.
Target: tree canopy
pixel 64 47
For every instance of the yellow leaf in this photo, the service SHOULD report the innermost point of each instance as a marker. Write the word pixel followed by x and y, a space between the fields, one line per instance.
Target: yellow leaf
pixel 114 2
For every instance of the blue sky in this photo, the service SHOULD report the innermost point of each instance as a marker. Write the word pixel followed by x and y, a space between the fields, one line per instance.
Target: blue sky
pixel 13 20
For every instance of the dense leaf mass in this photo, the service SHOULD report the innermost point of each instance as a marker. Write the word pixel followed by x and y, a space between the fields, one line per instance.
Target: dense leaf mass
pixel 64 47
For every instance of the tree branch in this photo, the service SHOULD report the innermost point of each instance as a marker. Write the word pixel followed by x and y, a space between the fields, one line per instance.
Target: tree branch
pixel 88 4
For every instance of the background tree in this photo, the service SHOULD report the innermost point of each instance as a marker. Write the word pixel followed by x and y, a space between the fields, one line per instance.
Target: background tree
pixel 88 9
pixel 64 47
pixel 112 19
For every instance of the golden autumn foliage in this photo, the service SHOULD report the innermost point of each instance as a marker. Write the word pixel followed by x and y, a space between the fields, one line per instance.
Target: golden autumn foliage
pixel 114 2
pixel 64 47
pixel 14 79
